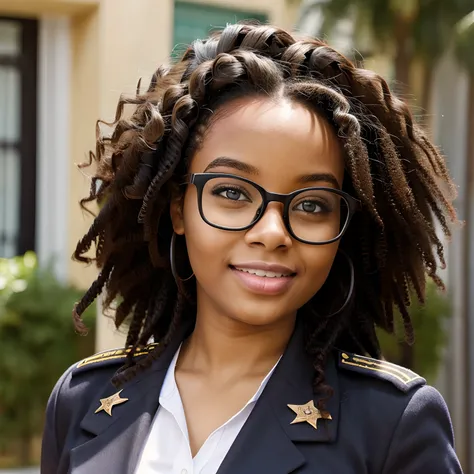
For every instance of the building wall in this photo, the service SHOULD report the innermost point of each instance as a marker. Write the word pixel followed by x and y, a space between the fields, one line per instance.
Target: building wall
pixel 110 45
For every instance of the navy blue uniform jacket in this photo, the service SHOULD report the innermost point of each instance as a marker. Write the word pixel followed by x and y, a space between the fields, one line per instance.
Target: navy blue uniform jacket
pixel 385 420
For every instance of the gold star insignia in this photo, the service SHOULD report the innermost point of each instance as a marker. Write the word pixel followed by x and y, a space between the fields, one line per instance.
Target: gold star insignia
pixel 108 403
pixel 309 413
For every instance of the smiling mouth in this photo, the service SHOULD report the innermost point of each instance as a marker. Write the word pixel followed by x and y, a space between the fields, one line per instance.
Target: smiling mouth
pixel 264 282
pixel 263 273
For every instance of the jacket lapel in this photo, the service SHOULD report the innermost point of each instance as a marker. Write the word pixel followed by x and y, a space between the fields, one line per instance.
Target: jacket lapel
pixel 268 442
pixel 117 441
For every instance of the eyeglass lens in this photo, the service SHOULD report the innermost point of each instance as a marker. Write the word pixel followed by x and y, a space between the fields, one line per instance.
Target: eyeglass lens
pixel 315 215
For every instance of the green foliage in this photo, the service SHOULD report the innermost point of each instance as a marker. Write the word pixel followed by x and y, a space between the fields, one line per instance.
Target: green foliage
pixel 428 25
pixel 38 342
pixel 429 321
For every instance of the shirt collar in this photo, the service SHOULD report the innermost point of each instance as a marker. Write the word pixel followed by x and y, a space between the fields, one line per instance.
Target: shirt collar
pixel 264 383
pixel 169 384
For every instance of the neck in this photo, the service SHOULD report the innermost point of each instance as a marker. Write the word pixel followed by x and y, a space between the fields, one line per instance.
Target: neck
pixel 220 344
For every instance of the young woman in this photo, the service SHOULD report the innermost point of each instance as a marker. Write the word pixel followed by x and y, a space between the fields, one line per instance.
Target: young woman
pixel 263 210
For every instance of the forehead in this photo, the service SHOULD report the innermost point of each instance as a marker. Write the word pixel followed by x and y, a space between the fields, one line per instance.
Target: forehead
pixel 282 139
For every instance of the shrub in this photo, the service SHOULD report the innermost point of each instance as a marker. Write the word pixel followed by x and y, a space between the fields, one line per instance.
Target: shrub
pixel 37 343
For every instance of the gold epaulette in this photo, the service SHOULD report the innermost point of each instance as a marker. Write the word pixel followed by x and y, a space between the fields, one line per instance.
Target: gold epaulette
pixel 113 355
pixel 403 378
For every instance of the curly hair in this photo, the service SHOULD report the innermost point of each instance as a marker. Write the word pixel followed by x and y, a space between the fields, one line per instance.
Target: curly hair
pixel 399 177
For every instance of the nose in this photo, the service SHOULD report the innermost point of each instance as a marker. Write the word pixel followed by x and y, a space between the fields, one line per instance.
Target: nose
pixel 270 231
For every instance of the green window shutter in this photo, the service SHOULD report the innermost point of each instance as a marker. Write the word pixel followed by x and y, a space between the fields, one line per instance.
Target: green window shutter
pixel 195 21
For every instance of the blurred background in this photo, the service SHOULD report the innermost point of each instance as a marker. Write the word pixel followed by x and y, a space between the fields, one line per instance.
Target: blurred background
pixel 64 63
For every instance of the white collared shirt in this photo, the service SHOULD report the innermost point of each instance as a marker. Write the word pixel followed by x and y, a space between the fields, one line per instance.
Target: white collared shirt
pixel 167 449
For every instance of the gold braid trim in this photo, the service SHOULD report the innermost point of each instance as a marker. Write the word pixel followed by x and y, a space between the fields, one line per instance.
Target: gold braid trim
pixel 115 354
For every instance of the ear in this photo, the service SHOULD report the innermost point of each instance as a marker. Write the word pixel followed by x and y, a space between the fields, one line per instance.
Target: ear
pixel 176 213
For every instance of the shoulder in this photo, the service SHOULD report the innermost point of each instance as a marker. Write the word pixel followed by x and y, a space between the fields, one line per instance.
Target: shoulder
pixel 93 372
pixel 71 399
pixel 109 358
pixel 387 390
pixel 373 371
pixel 396 404
pixel 375 391
pixel 79 385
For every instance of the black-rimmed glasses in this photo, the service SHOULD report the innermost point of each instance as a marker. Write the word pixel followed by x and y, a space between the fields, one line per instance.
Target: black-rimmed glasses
pixel 315 215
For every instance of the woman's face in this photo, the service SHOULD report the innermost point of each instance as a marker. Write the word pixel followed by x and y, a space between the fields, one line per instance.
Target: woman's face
pixel 283 147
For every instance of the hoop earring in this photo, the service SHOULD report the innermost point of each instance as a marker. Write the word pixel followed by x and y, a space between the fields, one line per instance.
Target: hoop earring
pixel 350 293
pixel 174 270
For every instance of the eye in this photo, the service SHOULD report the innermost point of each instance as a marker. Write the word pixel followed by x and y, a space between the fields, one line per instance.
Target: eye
pixel 312 207
pixel 231 193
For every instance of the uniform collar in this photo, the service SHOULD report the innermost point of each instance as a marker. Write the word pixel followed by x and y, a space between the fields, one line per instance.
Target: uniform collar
pixel 116 442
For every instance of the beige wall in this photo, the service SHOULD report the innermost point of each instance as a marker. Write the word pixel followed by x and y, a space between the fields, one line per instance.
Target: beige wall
pixel 43 7
pixel 113 44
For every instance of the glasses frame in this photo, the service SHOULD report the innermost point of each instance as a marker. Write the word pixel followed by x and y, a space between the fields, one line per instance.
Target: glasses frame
pixel 200 179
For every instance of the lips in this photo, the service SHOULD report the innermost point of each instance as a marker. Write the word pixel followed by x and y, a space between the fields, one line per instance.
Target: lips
pixel 264 278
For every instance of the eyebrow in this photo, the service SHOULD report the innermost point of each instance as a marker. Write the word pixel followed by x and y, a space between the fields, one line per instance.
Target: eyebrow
pixel 227 162
pixel 231 163
pixel 318 177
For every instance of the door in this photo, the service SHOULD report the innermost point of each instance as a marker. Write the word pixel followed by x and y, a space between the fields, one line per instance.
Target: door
pixel 195 21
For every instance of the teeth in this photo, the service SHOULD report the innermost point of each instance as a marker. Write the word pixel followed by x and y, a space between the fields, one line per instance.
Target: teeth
pixel 262 273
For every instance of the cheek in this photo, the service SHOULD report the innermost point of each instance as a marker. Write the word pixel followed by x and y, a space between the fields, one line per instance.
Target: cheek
pixel 205 244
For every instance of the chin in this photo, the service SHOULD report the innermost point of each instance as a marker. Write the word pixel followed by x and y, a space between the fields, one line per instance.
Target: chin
pixel 260 315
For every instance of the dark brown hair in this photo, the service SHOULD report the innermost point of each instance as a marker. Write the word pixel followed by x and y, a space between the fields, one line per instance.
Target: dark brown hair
pixel 399 177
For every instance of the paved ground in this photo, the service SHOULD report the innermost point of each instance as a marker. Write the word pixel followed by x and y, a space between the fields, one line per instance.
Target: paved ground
pixel 32 470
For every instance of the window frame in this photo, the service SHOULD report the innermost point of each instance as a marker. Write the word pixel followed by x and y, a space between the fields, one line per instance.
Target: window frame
pixel 27 65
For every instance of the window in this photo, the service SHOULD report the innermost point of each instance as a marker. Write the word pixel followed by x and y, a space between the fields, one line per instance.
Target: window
pixel 18 63
pixel 193 21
